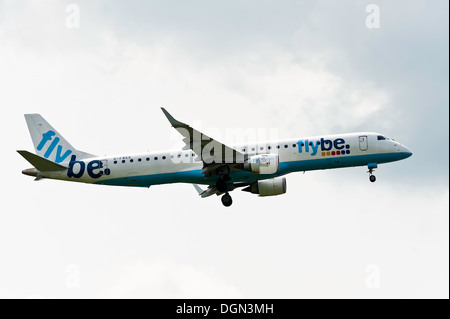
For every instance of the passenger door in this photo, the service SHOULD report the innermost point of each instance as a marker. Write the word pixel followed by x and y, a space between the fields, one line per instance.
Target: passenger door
pixel 363 144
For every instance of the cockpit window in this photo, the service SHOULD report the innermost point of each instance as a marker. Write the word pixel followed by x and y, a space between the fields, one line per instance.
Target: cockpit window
pixel 381 137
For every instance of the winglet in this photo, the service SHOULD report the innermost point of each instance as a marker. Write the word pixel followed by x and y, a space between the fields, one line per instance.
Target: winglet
pixel 172 121
pixel 198 189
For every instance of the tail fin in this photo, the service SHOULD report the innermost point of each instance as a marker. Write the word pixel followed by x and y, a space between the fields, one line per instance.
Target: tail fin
pixel 48 143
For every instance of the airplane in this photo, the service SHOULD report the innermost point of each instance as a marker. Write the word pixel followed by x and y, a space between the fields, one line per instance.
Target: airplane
pixel 258 169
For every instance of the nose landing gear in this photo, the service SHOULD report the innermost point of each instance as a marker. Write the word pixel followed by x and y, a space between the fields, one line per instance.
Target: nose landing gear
pixel 372 167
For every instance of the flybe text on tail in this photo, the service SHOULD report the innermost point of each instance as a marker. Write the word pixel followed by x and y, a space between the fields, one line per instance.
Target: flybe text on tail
pixel 47 137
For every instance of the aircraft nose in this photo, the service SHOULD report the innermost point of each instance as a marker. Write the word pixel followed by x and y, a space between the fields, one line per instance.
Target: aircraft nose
pixel 406 152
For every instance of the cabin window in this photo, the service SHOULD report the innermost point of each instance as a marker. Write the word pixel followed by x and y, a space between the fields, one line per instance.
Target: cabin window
pixel 163 157
pixel 156 158
pixel 294 145
pixel 140 160
pixel 115 162
pixel 147 159
pixel 123 161
pixel 131 160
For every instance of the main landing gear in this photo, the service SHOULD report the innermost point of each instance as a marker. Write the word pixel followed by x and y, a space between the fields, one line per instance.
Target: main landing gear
pixel 227 200
pixel 372 167
pixel 222 186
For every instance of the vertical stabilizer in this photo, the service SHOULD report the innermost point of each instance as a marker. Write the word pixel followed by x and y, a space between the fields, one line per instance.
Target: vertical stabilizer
pixel 48 143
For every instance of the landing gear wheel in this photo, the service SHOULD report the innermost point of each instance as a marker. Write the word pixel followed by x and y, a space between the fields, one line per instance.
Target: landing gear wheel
pixel 226 200
pixel 372 167
pixel 221 185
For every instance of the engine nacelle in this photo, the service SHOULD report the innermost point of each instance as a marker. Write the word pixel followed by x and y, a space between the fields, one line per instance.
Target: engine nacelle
pixel 263 164
pixel 268 187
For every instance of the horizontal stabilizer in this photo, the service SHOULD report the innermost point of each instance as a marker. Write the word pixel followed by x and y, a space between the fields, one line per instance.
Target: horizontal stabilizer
pixel 41 164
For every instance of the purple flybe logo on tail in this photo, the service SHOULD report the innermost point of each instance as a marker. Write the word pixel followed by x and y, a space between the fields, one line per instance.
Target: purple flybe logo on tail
pixel 59 156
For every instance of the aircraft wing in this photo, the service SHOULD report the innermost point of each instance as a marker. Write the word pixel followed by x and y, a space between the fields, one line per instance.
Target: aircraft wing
pixel 213 153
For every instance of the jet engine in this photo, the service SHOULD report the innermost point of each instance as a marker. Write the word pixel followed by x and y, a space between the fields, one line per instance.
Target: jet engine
pixel 268 187
pixel 263 164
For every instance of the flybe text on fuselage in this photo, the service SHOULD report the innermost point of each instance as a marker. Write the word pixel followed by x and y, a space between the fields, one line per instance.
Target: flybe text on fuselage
pixel 337 146
pixel 94 168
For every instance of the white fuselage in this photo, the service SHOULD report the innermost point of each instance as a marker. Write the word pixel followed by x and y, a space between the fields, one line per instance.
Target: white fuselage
pixel 303 154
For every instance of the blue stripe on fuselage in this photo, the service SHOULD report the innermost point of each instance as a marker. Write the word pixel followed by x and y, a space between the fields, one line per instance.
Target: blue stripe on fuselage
pixel 196 177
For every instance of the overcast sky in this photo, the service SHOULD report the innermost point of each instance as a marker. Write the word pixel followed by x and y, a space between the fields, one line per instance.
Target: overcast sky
pixel 302 67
